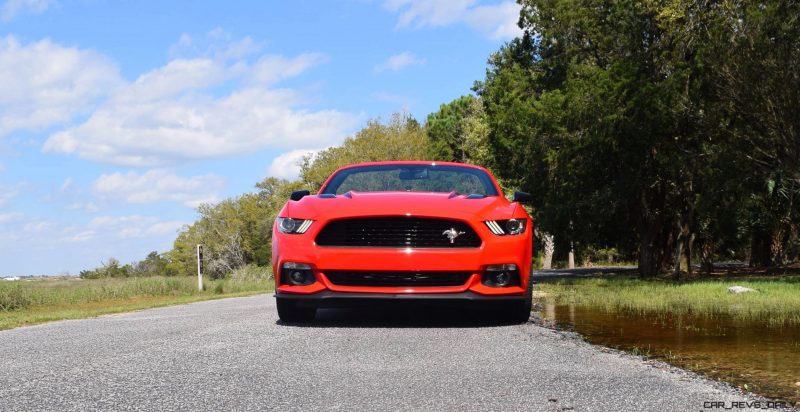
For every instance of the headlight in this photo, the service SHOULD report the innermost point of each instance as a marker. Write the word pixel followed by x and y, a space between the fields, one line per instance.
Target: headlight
pixel 515 226
pixel 506 227
pixel 293 226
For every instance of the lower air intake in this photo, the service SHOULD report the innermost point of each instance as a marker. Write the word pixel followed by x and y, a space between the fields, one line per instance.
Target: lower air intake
pixel 369 278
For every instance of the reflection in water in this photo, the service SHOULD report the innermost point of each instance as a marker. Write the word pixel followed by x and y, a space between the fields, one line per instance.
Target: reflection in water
pixel 767 360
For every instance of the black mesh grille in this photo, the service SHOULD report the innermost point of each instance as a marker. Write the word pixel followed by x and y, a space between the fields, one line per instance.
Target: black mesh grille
pixel 367 278
pixel 398 232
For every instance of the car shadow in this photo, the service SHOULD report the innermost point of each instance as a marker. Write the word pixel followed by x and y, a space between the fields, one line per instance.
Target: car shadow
pixel 402 317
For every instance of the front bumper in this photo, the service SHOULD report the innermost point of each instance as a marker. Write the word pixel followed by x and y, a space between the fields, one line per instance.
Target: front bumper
pixel 329 299
pixel 494 250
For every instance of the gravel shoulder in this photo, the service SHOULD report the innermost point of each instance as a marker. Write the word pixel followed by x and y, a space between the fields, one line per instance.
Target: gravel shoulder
pixel 235 354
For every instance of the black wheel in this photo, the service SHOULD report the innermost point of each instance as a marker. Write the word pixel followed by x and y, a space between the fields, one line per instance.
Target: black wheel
pixel 289 312
pixel 520 311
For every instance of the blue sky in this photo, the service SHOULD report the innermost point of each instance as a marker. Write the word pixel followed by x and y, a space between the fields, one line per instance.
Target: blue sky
pixel 117 118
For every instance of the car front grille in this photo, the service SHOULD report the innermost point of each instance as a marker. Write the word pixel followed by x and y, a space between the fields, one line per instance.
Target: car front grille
pixel 369 278
pixel 411 232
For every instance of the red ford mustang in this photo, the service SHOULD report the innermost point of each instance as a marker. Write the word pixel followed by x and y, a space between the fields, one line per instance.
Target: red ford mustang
pixel 439 232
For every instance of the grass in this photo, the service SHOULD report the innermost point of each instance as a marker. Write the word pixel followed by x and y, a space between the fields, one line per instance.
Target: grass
pixel 776 303
pixel 36 301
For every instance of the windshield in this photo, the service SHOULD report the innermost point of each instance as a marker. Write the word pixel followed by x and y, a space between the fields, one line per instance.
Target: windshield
pixel 411 178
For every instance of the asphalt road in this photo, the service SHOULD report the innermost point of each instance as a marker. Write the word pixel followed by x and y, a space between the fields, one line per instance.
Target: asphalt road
pixel 233 354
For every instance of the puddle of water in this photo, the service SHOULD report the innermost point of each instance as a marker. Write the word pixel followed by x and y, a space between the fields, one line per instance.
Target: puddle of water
pixel 766 359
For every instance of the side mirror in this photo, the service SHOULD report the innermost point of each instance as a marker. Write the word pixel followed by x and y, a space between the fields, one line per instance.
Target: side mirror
pixel 299 194
pixel 523 197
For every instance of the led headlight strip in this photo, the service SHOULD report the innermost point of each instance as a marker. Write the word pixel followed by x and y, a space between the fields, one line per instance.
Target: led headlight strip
pixel 303 227
pixel 495 228
pixel 506 227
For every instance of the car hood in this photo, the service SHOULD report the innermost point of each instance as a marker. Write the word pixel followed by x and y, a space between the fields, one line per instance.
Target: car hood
pixel 450 205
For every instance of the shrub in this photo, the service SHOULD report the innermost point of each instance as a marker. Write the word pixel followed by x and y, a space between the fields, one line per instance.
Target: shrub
pixel 251 273
pixel 600 256
pixel 13 297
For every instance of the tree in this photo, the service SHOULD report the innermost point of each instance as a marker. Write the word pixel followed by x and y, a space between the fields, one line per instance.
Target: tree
pixel 459 132
pixel 759 89
pixel 662 122
pixel 109 269
pixel 231 231
pixel 594 110
pixel 154 264
pixel 402 138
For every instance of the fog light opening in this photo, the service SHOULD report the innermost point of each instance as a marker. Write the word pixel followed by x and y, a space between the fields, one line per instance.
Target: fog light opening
pixel 295 265
pixel 500 276
pixel 298 277
pixel 502 279
pixel 297 274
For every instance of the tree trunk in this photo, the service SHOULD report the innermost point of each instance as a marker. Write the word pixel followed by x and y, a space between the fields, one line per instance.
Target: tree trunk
pixel 689 240
pixel 549 248
pixel 648 261
pixel 680 236
pixel 761 249
pixel 778 247
pixel 678 255
pixel 706 257
pixel 655 250
pixel 656 236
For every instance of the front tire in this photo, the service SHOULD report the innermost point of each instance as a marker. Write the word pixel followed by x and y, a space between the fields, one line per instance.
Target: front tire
pixel 520 312
pixel 290 312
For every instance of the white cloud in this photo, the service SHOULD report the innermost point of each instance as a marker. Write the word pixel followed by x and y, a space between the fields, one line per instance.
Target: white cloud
pixel 134 226
pixel 399 62
pixel 69 184
pixel 496 21
pixel 499 21
pixel 158 185
pixel 287 165
pixel 176 113
pixel 9 217
pixel 217 44
pixel 37 226
pixel 424 12
pixel 80 236
pixel 164 228
pixel 89 207
pixel 172 80
pixel 169 131
pixel 6 195
pixel 98 233
pixel 273 68
pixel 51 83
pixel 12 8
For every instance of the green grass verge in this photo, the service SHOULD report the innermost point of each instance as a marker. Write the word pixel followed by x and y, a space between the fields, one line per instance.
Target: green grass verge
pixel 37 301
pixel 776 303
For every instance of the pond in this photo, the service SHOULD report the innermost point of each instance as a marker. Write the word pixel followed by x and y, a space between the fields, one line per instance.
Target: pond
pixel 765 359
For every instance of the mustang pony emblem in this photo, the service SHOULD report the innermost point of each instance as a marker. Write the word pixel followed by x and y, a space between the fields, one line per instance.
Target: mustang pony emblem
pixel 452 234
